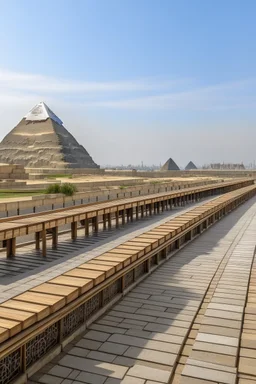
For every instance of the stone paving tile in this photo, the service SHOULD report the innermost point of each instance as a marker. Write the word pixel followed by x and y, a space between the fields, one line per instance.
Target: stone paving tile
pixel 139 339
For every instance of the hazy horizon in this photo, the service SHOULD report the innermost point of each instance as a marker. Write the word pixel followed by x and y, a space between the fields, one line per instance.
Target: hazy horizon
pixel 136 81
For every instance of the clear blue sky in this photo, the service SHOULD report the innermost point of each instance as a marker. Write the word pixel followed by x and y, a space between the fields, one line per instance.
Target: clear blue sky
pixel 176 71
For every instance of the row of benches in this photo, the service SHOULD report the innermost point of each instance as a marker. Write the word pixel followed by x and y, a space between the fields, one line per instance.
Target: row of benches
pixel 34 322
pixel 39 224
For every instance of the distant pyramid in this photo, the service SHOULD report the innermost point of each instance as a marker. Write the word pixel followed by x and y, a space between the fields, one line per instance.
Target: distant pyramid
pixel 41 140
pixel 170 165
pixel 190 166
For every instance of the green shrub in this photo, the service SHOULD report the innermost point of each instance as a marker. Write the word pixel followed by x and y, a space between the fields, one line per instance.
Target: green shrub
pixel 68 189
pixel 53 188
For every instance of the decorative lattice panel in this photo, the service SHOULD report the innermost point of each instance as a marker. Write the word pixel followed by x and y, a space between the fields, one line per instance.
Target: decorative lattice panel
pixel 72 321
pixel 128 279
pixel 111 291
pixel 41 344
pixel 10 367
pixel 92 305
pixel 139 271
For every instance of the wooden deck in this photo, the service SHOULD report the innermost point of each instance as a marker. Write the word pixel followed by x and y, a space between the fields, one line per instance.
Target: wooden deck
pixel 38 224
pixel 47 315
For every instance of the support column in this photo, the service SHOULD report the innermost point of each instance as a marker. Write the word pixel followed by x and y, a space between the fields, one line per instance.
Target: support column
pixel 158 207
pixel 86 227
pixel 74 230
pixel 109 220
pixel 104 221
pixel 11 247
pixel 43 234
pixel 37 238
pixel 123 216
pixel 96 223
pixel 117 219
pixel 137 213
pixel 131 214
pixel 55 237
pixel 142 210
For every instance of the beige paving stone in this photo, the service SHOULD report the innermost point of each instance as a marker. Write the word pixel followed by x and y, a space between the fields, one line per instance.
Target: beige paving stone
pixel 90 378
pixel 88 344
pixel 113 348
pixel 132 380
pixel 97 336
pixel 94 366
pixel 247 365
pixel 217 367
pixel 209 374
pixel 215 358
pixel 223 331
pixel 224 314
pixel 139 342
pixel 217 339
pixel 192 380
pixel 96 355
pixel 140 371
pixel 215 348
pixel 150 355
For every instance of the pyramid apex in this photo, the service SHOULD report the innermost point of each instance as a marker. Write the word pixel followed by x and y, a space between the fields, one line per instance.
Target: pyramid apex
pixel 41 112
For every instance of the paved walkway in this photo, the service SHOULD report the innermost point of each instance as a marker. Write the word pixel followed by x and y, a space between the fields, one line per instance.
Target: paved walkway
pixel 29 268
pixel 182 324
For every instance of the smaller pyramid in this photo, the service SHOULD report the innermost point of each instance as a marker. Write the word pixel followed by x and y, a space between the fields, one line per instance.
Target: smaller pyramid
pixel 170 165
pixel 190 166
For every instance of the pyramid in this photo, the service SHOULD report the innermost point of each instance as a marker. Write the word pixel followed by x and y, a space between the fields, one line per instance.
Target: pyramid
pixel 170 165
pixel 190 166
pixel 41 140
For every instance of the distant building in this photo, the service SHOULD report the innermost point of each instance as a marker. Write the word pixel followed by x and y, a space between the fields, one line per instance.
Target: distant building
pixel 40 140
pixel 170 165
pixel 190 166
pixel 225 166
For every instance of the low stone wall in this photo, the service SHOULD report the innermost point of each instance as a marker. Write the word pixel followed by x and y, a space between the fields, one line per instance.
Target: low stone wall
pixel 49 202
pixel 12 172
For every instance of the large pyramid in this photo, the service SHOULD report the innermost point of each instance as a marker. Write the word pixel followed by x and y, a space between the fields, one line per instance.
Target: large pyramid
pixel 170 165
pixel 41 140
pixel 190 166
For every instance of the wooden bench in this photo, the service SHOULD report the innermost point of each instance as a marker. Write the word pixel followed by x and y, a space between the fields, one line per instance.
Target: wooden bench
pixel 39 224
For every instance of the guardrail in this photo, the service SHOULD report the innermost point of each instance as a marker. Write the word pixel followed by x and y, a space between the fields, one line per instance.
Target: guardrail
pixel 45 317
pixel 40 223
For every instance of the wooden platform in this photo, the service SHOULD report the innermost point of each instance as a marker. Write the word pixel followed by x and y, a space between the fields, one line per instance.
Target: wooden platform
pixel 58 307
pixel 38 224
pixel 180 325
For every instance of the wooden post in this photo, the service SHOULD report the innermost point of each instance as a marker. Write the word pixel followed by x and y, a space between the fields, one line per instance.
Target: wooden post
pixel 55 237
pixel 123 217
pixel 117 219
pixel 86 227
pixel 11 247
pixel 104 221
pixel 109 220
pixel 142 210
pixel 44 241
pixel 137 213
pixel 96 223
pixel 74 230
pixel 131 214
pixel 158 207
pixel 37 238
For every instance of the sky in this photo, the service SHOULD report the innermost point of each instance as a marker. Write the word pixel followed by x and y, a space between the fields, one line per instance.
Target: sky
pixel 136 80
